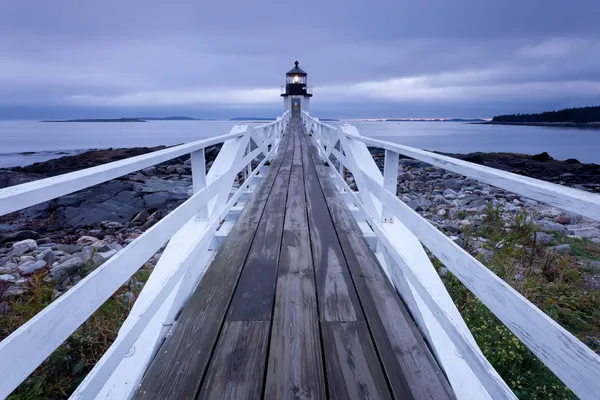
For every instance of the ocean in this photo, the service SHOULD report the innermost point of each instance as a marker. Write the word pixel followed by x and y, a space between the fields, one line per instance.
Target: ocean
pixel 26 142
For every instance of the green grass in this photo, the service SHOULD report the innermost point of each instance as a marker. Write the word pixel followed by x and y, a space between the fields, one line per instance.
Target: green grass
pixel 549 280
pixel 59 375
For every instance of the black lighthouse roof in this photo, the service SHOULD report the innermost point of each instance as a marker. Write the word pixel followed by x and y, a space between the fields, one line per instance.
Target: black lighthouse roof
pixel 296 70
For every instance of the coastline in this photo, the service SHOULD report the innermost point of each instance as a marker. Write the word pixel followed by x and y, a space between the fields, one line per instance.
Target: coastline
pixel 590 125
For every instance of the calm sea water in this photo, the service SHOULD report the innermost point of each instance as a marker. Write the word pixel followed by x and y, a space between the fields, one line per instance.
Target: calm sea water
pixel 50 140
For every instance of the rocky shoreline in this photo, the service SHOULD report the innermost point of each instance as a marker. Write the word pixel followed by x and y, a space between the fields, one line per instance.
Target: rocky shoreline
pixel 66 238
pixel 589 125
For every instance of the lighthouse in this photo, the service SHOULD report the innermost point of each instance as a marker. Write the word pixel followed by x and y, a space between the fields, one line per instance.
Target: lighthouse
pixel 297 94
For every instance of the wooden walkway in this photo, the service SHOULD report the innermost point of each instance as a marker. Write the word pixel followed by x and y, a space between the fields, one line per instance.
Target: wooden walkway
pixel 295 305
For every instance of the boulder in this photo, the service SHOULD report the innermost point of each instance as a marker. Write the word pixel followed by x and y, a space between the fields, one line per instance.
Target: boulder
pixel 13 291
pixel 486 254
pixel 66 268
pixel 549 226
pixel 542 157
pixel 18 251
pixel 87 240
pixel 584 232
pixel 7 278
pixel 27 242
pixel 450 194
pixel 150 171
pixel 30 267
pixel 562 249
pixel 47 256
pixel 111 225
pixel 542 237
pixel 141 217
pixel 181 171
pixel 21 235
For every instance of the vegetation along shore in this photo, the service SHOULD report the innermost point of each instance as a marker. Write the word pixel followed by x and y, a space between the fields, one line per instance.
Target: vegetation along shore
pixel 552 257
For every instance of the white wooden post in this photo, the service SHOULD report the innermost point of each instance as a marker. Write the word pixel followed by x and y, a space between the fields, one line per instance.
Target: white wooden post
pixel 390 182
pixel 199 179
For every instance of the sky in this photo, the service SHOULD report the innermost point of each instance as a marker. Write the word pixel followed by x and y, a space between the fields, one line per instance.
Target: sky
pixel 364 59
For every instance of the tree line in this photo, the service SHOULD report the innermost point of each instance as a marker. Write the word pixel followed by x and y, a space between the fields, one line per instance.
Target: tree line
pixel 576 115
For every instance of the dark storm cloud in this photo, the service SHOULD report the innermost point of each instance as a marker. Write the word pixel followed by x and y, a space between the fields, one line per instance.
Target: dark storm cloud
pixel 421 58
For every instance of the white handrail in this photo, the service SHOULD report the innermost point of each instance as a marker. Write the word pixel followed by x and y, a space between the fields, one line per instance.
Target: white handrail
pixel 573 362
pixel 27 347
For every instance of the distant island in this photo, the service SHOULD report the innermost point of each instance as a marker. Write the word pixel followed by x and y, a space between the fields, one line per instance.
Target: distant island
pixel 582 117
pixel 434 120
pixel 252 119
pixel 133 119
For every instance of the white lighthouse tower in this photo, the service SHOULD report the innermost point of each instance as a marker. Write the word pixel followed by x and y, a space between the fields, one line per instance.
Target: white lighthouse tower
pixel 297 94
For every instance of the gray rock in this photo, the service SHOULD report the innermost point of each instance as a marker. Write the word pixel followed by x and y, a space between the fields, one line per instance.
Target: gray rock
pixel 108 254
pixel 406 176
pixel 47 256
pixel 23 259
pixel 150 171
pixel 139 177
pixel 4 307
pixel 549 226
pixel 181 171
pixel 32 244
pixel 111 225
pixel 21 235
pixel 441 212
pixel 141 217
pixel 443 271
pixel 561 248
pixel 458 241
pixel 487 255
pixel 7 278
pixel 519 277
pixel 452 228
pixel 584 232
pixel 542 237
pixel 18 251
pixel 511 207
pixel 449 193
pixel 158 200
pixel 69 248
pixel 8 268
pixel 188 161
pixel 66 268
pixel 31 266
pixel 414 205
pixel 13 291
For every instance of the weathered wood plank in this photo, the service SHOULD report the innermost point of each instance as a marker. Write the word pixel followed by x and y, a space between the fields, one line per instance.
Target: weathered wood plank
pixel 337 298
pixel 254 295
pixel 353 370
pixel 411 369
pixel 295 367
pixel 238 365
pixel 179 366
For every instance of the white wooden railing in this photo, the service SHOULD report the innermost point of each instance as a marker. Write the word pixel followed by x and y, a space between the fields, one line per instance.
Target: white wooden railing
pixel 189 229
pixel 401 234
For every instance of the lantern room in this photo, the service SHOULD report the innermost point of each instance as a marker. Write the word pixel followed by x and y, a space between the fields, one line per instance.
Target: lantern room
pixel 297 94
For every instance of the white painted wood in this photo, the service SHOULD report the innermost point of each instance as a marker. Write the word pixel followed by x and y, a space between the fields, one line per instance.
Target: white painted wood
pixel 139 319
pixel 129 372
pixel 40 336
pixel 390 181
pixel 574 200
pixel 460 374
pixel 166 290
pixel 573 362
pixel 17 197
pixel 199 178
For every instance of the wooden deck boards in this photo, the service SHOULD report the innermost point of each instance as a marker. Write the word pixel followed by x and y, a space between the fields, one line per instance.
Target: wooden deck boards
pixel 295 305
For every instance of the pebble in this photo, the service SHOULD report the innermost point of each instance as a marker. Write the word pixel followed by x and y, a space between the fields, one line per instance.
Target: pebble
pixel 443 271
pixel 64 269
pixel 487 255
pixel 519 277
pixel 13 291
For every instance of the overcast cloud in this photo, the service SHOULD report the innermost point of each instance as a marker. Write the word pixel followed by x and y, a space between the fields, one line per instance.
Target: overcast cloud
pixel 418 58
